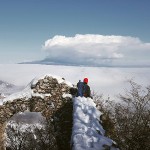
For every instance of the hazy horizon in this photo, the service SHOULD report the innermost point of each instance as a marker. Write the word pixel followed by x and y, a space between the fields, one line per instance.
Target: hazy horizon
pixel 102 80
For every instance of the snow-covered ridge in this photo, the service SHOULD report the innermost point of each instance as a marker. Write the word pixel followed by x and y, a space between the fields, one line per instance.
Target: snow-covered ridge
pixel 28 92
pixel 49 95
pixel 8 88
pixel 87 132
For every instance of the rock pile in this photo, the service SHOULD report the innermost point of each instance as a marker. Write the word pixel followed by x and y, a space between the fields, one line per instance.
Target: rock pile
pixel 47 95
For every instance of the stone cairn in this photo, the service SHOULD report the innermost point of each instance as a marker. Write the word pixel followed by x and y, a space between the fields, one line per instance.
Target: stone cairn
pixel 47 97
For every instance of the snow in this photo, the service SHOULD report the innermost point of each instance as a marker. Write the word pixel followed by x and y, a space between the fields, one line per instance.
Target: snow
pixel 67 95
pixel 24 127
pixel 87 132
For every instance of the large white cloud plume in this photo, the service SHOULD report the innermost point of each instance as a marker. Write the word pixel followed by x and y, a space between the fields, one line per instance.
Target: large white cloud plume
pixel 97 50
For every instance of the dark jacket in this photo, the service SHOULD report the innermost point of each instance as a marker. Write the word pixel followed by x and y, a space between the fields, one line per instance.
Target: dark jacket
pixel 86 91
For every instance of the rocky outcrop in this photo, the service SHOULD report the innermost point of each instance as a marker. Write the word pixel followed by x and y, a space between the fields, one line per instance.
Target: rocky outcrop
pixel 51 96
pixel 47 95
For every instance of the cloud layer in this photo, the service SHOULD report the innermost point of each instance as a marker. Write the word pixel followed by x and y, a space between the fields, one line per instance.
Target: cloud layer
pixel 109 81
pixel 97 50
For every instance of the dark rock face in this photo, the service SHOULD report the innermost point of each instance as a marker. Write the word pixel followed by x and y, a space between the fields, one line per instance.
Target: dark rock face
pixel 50 97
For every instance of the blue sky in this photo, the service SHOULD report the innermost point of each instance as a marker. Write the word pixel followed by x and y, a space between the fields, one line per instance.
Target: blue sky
pixel 25 25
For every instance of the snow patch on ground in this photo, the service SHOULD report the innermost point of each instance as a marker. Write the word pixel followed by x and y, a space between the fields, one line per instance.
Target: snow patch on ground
pixel 24 127
pixel 87 132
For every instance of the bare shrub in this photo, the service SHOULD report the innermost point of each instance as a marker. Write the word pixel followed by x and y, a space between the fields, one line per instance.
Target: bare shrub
pixel 18 140
pixel 129 119
pixel 46 137
pixel 32 138
pixel 104 107
pixel 132 119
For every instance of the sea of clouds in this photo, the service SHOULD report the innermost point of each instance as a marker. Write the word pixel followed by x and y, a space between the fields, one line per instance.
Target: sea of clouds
pixel 103 80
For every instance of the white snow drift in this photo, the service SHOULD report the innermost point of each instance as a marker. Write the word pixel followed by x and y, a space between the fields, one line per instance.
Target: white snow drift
pixel 87 132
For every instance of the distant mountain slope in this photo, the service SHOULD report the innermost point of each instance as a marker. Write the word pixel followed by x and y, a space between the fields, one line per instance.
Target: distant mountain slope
pixel 4 84
pixel 8 88
pixel 86 63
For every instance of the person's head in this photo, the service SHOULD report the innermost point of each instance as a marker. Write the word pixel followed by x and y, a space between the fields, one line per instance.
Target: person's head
pixel 85 80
